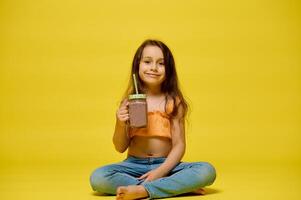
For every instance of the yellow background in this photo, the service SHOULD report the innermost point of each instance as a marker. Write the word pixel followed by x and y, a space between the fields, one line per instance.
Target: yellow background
pixel 64 66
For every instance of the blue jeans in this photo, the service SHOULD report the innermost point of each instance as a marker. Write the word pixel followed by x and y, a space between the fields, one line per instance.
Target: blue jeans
pixel 185 177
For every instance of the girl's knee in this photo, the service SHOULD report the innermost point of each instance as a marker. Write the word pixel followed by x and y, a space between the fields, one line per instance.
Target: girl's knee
pixel 98 180
pixel 206 171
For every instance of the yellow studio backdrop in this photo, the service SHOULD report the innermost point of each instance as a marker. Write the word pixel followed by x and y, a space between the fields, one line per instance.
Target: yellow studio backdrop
pixel 64 66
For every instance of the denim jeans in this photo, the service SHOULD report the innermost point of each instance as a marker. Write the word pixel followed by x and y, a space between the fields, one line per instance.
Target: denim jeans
pixel 183 178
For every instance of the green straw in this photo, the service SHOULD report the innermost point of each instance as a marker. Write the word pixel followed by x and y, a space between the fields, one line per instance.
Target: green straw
pixel 135 83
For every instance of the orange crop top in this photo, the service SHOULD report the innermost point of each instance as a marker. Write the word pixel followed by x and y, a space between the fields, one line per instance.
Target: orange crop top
pixel 158 123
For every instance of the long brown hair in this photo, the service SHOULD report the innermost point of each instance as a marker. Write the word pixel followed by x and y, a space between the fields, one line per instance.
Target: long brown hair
pixel 169 86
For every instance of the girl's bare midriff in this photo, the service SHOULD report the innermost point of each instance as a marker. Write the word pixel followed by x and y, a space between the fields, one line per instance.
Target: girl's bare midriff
pixel 149 146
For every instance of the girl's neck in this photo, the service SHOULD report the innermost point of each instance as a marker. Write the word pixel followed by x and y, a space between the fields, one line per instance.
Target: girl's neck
pixel 153 91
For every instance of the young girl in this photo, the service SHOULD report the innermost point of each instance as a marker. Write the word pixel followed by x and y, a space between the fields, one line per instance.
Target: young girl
pixel 153 166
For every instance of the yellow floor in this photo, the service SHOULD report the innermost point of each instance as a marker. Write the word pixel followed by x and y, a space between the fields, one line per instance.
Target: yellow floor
pixel 233 182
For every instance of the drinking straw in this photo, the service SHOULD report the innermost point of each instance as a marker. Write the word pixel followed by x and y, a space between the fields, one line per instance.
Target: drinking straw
pixel 135 83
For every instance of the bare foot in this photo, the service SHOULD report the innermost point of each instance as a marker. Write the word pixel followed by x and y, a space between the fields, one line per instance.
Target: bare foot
pixel 199 191
pixel 131 192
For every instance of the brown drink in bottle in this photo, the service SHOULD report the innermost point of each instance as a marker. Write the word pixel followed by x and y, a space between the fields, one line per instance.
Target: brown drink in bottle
pixel 138 110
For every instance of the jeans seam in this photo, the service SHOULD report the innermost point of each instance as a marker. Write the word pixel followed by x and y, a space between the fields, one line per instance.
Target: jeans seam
pixel 146 186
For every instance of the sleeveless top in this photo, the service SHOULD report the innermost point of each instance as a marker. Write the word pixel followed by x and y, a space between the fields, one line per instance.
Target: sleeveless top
pixel 158 123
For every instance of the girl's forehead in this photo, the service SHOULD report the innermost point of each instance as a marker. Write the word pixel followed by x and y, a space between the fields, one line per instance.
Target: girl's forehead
pixel 152 52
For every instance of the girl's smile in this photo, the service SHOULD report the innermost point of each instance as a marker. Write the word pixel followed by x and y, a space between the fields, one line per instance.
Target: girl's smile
pixel 152 75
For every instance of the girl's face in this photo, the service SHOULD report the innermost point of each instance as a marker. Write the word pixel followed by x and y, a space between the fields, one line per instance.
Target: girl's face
pixel 151 67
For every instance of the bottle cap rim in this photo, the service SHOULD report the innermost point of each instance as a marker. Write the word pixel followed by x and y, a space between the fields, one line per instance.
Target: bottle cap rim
pixel 137 96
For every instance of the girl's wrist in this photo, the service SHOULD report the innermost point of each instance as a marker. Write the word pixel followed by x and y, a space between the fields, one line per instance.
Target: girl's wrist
pixel 121 124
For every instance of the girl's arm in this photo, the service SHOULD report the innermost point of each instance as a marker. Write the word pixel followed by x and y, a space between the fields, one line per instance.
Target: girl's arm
pixel 178 144
pixel 176 153
pixel 120 138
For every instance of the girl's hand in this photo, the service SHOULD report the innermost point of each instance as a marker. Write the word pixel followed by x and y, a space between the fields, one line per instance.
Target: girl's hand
pixel 151 175
pixel 122 113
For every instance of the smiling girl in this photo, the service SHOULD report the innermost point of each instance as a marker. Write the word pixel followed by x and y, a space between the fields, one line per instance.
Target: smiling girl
pixel 153 166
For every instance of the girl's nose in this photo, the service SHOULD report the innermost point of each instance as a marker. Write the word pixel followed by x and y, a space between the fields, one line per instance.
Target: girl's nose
pixel 154 66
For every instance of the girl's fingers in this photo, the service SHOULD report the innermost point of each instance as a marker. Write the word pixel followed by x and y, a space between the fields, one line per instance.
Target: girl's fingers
pixel 123 112
pixel 143 176
pixel 123 118
pixel 125 103
pixel 124 115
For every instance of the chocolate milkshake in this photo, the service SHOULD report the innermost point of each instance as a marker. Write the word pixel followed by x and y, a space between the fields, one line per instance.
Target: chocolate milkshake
pixel 138 110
